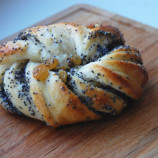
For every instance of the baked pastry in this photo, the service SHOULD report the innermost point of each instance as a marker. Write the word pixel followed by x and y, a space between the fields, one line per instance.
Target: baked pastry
pixel 67 73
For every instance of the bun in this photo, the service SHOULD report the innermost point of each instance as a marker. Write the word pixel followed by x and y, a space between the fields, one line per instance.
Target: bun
pixel 67 73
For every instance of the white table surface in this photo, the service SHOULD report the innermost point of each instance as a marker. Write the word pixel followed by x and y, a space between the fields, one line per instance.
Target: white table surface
pixel 18 14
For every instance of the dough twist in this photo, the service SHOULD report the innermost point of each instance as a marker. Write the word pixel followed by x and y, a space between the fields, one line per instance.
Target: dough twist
pixel 101 74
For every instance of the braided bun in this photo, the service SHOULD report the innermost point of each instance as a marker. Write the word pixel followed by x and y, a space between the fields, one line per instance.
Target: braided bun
pixel 67 73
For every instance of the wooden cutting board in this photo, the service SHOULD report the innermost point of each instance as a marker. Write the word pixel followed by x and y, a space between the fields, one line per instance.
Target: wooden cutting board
pixel 132 134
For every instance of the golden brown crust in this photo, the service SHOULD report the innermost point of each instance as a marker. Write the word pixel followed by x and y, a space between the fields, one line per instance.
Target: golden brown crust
pixel 138 73
pixel 108 28
pixel 98 99
pixel 73 111
pixel 10 48
pixel 109 74
pixel 122 83
pixel 111 29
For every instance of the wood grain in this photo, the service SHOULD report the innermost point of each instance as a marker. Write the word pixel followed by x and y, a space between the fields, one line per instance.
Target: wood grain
pixel 132 134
